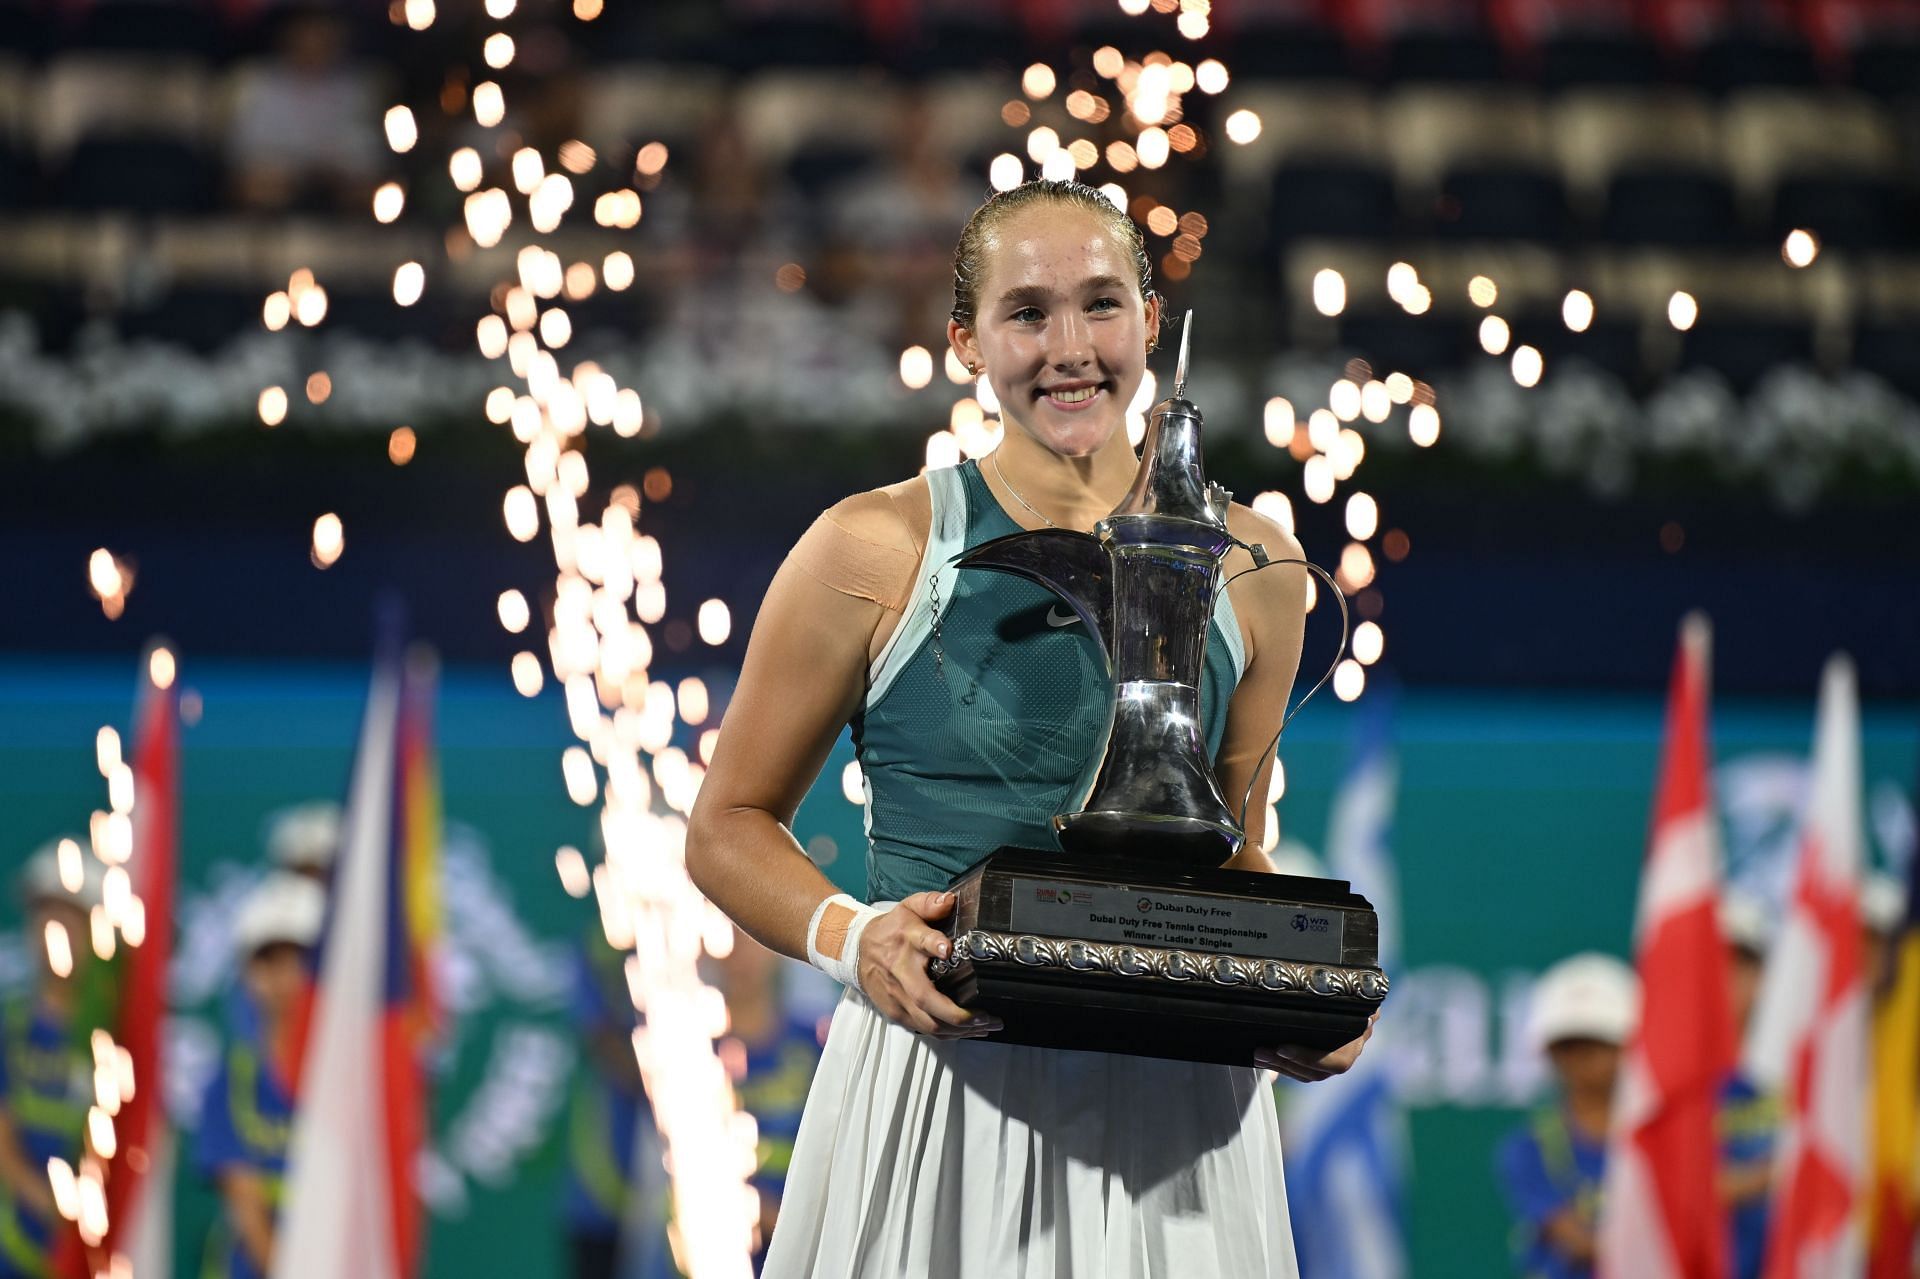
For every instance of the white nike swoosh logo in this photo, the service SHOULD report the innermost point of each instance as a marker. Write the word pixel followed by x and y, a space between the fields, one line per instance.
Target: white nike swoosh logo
pixel 1056 618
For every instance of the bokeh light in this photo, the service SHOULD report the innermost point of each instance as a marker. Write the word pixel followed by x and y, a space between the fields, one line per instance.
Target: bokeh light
pixel 402 131
pixel 1369 642
pixel 1682 310
pixel 1423 425
pixel 1800 248
pixel 715 622
pixel 1242 126
pixel 1349 680
pixel 409 282
pixel 916 367
pixel 1363 516
pixel 388 201
pixel 329 540
pixel 1329 292
pixel 1576 310
pixel 1527 365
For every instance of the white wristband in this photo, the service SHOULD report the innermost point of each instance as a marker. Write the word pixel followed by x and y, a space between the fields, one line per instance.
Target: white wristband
pixel 844 965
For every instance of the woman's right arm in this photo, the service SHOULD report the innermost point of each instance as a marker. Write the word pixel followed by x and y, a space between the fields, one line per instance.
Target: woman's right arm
pixel 803 678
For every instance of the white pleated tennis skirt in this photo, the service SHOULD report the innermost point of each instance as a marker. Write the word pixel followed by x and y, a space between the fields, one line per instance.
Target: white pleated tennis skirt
pixel 968 1159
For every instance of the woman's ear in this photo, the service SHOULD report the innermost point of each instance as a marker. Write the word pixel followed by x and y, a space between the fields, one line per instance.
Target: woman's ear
pixel 1153 313
pixel 965 348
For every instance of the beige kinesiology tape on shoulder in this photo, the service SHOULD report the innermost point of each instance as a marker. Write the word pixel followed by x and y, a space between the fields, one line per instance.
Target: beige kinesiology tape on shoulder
pixel 841 558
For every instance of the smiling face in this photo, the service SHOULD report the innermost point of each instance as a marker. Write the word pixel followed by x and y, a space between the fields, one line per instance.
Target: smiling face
pixel 1060 326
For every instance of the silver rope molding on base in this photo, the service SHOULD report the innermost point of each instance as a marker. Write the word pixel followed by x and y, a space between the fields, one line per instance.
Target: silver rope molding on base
pixel 984 946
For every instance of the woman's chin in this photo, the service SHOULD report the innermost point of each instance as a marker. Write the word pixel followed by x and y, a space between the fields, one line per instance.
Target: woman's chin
pixel 1074 438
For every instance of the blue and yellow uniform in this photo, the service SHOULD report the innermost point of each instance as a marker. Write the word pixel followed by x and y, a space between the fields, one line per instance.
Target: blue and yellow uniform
pixel 1748 1120
pixel 1544 1169
pixel 46 1083
pixel 613 1204
pixel 246 1121
pixel 779 1072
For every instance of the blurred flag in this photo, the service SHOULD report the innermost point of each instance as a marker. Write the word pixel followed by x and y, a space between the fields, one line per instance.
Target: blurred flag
pixel 350 1207
pixel 139 1176
pixel 1346 1142
pixel 420 867
pixel 1661 1215
pixel 1894 1200
pixel 1809 1038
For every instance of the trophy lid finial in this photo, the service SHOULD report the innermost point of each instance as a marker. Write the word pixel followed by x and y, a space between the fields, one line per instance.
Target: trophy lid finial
pixel 1180 368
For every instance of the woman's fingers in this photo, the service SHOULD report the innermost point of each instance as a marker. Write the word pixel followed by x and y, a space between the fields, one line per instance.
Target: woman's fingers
pixel 903 1009
pixel 1291 1069
pixel 919 1005
pixel 1310 1065
pixel 929 905
pixel 930 942
pixel 922 992
pixel 1291 1062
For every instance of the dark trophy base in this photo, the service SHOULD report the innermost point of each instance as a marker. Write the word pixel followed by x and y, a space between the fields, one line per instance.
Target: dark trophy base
pixel 1153 960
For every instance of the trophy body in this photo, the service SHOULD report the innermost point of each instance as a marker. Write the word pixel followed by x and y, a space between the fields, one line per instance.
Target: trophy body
pixel 1130 937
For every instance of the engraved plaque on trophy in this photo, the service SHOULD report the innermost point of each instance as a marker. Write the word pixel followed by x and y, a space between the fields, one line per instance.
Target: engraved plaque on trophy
pixel 1130 937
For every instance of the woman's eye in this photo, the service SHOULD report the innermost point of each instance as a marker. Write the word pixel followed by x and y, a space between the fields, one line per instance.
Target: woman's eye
pixel 1105 304
pixel 1027 315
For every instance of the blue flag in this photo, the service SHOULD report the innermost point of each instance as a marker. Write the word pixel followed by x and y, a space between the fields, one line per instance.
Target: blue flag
pixel 1346 1141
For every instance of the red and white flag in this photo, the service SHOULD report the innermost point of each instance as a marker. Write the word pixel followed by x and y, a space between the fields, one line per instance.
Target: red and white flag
pixel 1809 1039
pixel 144 1186
pixel 138 1174
pixel 1661 1216
pixel 350 1207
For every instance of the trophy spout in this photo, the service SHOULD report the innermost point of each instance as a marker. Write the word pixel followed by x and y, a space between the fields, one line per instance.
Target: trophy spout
pixel 1073 565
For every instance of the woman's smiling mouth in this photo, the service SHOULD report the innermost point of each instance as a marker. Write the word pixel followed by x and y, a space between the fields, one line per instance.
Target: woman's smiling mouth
pixel 1072 398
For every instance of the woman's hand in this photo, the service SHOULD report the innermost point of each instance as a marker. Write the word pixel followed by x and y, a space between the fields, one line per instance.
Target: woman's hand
pixel 894 952
pixel 1310 1065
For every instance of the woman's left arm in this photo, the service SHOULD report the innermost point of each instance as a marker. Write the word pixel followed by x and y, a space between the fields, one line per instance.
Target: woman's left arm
pixel 1272 608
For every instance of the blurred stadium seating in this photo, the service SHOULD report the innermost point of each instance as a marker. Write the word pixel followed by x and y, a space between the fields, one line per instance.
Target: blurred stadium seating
pixel 1602 158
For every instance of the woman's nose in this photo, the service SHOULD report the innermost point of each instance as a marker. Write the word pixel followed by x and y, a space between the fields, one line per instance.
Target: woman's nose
pixel 1072 344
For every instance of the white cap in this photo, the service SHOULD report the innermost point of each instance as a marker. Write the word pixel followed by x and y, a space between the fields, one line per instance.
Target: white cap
pixel 1744 922
pixel 1883 903
pixel 306 836
pixel 41 879
pixel 283 907
pixel 1586 996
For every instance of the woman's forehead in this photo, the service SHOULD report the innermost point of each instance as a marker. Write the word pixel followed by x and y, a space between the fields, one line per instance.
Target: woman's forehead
pixel 1059 247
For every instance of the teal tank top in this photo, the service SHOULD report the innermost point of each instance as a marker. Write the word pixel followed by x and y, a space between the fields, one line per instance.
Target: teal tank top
pixel 976 730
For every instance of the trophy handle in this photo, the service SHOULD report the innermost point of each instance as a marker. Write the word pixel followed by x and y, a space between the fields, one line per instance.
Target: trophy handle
pixel 1071 564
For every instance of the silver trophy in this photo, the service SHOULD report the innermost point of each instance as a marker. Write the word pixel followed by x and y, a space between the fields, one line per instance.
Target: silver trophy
pixel 1131 937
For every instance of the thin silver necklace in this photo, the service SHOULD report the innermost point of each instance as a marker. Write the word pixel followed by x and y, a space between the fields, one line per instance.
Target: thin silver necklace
pixel 1008 485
